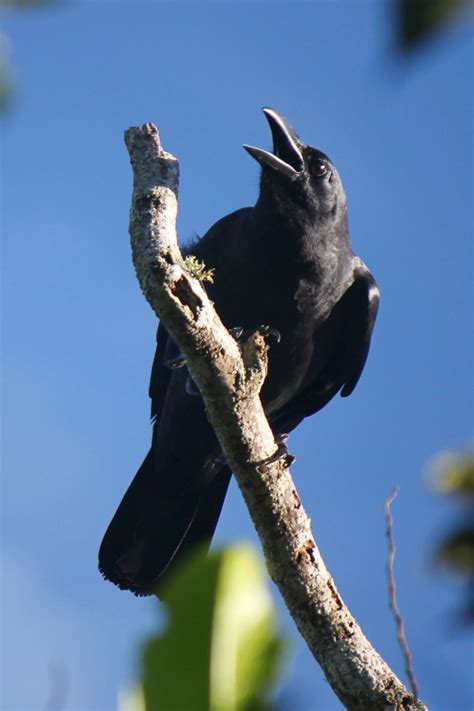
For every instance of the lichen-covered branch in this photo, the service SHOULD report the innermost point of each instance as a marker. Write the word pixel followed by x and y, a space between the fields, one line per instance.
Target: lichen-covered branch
pixel 229 378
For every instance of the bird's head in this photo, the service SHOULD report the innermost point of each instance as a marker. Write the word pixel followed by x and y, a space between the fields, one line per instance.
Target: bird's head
pixel 297 173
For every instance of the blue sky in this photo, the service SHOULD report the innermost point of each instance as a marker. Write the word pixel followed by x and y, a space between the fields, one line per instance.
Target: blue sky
pixel 79 337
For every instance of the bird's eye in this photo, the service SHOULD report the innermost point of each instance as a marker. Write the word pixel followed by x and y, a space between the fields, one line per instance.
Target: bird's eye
pixel 320 169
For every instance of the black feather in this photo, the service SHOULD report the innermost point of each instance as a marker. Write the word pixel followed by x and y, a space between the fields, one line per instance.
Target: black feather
pixel 288 263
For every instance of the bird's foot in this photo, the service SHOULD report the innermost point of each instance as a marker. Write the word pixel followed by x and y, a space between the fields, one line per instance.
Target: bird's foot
pixel 281 453
pixel 241 334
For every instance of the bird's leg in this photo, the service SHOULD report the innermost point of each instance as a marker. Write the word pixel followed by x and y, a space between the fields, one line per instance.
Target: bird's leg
pixel 281 453
pixel 241 334
pixel 216 463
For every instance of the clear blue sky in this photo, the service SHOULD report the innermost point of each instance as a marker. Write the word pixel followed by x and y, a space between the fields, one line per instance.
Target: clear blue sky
pixel 79 337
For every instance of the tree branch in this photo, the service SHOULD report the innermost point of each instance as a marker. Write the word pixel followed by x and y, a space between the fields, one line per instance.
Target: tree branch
pixel 229 378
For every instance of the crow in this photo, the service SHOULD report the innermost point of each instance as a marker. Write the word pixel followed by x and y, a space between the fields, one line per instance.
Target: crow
pixel 286 263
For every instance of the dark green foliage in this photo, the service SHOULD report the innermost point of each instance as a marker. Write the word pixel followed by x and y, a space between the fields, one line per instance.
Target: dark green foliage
pixel 455 477
pixel 417 20
pixel 26 3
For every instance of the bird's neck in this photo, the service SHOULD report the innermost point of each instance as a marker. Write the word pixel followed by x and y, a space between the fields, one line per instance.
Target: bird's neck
pixel 312 238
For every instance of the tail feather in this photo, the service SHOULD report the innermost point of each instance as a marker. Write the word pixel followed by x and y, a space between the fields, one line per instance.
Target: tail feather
pixel 151 531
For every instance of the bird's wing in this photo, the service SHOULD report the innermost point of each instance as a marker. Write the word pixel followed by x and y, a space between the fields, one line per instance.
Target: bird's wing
pixel 166 349
pixel 341 347
pixel 361 304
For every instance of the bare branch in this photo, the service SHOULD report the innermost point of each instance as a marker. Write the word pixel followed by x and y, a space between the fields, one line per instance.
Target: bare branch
pixel 229 378
pixel 392 590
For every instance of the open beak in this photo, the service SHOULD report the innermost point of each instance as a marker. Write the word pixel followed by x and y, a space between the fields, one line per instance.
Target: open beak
pixel 286 158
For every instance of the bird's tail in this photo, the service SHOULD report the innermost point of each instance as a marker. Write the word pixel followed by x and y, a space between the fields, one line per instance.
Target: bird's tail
pixel 152 529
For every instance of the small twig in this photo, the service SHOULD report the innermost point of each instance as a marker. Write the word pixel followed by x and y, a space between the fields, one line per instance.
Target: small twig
pixel 392 590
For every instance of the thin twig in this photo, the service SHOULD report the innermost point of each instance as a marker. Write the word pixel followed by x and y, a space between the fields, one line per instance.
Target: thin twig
pixel 392 590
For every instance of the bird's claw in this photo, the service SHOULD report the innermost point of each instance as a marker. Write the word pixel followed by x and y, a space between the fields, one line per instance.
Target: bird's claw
pixel 281 453
pixel 236 332
pixel 240 333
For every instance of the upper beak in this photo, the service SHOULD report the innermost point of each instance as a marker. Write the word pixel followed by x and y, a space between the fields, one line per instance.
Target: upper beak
pixel 286 158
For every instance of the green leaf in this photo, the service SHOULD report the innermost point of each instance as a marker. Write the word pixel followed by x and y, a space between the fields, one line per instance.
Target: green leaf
pixel 454 473
pixel 220 651
pixel 245 648
pixel 457 550
pixel 132 699
pixel 27 3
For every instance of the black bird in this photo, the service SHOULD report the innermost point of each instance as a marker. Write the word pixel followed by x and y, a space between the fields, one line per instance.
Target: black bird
pixel 287 263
